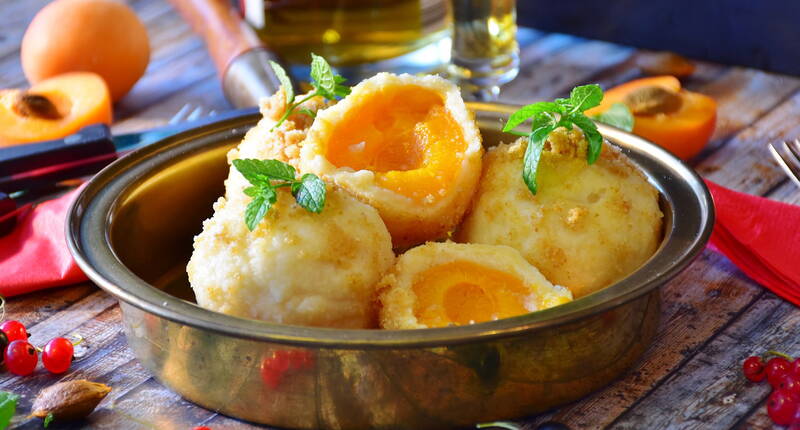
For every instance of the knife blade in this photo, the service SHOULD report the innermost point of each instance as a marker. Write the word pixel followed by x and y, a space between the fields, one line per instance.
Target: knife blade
pixel 86 152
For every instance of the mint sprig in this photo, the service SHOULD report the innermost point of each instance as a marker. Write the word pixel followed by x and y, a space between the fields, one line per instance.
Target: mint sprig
pixel 324 81
pixel 266 176
pixel 619 115
pixel 548 116
pixel 8 407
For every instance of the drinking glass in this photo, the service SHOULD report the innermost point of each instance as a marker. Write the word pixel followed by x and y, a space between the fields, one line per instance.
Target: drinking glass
pixel 484 53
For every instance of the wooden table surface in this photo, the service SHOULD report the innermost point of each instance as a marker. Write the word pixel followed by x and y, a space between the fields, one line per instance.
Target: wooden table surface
pixel 713 316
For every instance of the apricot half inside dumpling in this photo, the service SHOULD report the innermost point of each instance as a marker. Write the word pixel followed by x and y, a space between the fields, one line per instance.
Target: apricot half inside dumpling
pixel 407 146
pixel 443 284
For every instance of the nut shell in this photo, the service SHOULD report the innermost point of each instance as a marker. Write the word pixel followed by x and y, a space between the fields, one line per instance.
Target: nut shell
pixel 70 400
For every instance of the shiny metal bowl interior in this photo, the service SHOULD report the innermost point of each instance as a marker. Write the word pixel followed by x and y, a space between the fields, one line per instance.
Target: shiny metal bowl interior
pixel 131 231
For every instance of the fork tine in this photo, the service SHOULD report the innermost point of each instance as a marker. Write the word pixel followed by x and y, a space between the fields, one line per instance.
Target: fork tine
pixel 181 115
pixel 793 150
pixel 196 113
pixel 788 167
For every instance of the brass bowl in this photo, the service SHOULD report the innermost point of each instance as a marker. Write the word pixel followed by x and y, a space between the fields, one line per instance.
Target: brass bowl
pixel 131 231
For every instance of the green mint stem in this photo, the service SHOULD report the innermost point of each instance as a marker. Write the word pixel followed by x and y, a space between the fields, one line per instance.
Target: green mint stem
pixel 518 133
pixel 291 108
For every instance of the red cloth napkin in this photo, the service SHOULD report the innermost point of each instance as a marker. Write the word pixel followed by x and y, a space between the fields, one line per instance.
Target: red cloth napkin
pixel 761 236
pixel 35 256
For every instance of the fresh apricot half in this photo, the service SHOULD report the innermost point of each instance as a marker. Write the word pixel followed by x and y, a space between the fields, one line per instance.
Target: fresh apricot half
pixel 53 108
pixel 407 146
pixel 679 120
pixel 444 284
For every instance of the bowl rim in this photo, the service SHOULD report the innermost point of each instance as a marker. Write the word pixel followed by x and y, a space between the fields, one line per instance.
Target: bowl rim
pixel 89 218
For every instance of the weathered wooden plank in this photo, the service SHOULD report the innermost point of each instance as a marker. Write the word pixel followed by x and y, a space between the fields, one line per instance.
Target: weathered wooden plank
pixel 153 405
pixel 744 96
pixel 562 71
pixel 715 372
pixel 178 74
pixel 32 308
pixel 744 163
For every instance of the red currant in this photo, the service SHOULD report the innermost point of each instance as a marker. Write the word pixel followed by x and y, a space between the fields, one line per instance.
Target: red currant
pixel 790 384
pixel 57 355
pixel 270 374
pixel 281 360
pixel 796 420
pixel 776 368
pixel 3 345
pixel 21 357
pixel 753 369
pixel 794 368
pixel 781 407
pixel 14 330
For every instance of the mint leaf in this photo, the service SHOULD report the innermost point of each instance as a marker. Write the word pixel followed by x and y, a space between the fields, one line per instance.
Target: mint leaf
pixel 533 153
pixel 8 407
pixel 286 83
pixel 618 115
pixel 257 209
pixel 529 111
pixel 252 191
pixel 547 116
pixel 325 84
pixel 322 76
pixel 258 171
pixel 593 137
pixel 310 193
pixel 266 176
pixel 585 97
pixel 341 90
pixel 48 419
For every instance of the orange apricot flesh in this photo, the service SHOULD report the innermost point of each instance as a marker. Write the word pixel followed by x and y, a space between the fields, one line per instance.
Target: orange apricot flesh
pixel 683 131
pixel 464 292
pixel 79 99
pixel 406 137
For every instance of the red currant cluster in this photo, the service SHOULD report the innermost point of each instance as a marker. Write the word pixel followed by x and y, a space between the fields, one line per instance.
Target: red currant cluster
pixel 275 366
pixel 21 357
pixel 783 374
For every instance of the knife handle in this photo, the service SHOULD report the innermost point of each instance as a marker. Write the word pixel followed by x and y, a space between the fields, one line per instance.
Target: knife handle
pixel 33 164
pixel 225 33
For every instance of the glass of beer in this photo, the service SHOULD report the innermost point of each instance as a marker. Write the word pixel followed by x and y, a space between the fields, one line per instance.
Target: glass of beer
pixel 485 53
pixel 358 37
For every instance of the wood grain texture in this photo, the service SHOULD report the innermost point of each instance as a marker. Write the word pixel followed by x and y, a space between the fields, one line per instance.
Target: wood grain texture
pixel 712 317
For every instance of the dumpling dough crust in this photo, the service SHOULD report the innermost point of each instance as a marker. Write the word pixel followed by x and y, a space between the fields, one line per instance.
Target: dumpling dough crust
pixel 587 227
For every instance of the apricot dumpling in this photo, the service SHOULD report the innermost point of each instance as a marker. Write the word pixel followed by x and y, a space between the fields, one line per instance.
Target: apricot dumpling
pixel 587 226
pixel 443 284
pixel 405 145
pixel 296 267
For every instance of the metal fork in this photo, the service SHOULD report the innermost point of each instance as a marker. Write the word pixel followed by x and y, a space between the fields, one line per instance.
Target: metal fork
pixel 189 112
pixel 788 157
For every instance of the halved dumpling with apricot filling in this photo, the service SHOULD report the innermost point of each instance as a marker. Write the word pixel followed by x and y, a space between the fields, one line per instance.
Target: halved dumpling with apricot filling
pixel 444 284
pixel 407 146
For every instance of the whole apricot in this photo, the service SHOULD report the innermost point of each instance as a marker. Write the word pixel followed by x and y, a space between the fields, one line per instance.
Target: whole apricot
pixel 101 36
